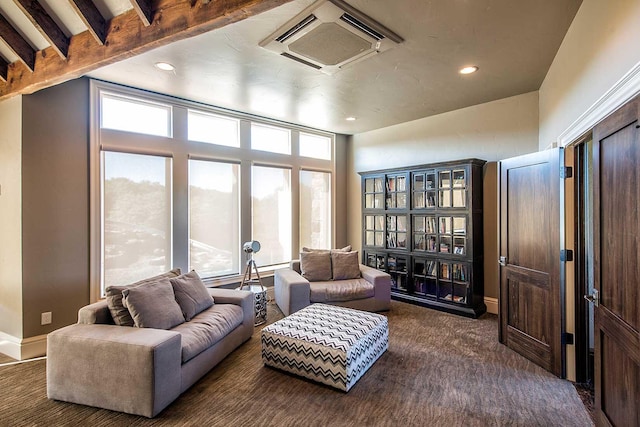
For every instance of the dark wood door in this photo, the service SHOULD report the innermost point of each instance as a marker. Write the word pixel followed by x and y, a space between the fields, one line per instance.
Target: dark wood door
pixel 530 273
pixel 617 267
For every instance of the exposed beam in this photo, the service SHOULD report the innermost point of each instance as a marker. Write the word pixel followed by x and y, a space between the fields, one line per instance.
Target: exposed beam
pixel 90 15
pixel 17 44
pixel 126 37
pixel 46 25
pixel 4 65
pixel 144 10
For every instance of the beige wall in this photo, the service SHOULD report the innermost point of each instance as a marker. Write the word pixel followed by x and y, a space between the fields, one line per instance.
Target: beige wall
pixel 10 217
pixel 55 198
pixel 491 131
pixel 340 193
pixel 600 47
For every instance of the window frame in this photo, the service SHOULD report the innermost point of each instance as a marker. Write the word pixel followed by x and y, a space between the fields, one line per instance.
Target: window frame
pixel 181 150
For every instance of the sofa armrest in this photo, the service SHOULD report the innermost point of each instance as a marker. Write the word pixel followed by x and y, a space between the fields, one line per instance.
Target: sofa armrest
pixel 380 280
pixel 98 312
pixel 292 291
pixel 237 297
pixel 126 369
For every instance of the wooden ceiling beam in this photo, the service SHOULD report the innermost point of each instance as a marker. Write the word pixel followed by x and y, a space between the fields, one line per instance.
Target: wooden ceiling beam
pixel 4 65
pixel 174 20
pixel 90 15
pixel 144 10
pixel 46 25
pixel 17 43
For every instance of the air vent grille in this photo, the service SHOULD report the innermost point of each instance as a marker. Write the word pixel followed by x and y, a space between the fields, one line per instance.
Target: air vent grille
pixel 330 35
pixel 361 26
pixel 296 28
pixel 300 60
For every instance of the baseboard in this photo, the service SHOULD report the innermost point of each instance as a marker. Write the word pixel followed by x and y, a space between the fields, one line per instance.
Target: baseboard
pixel 492 305
pixel 23 348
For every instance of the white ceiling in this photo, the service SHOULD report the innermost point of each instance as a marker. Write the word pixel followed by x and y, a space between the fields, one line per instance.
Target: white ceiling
pixel 512 41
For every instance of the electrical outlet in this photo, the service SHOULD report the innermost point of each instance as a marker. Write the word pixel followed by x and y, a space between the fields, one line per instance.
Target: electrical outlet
pixel 45 318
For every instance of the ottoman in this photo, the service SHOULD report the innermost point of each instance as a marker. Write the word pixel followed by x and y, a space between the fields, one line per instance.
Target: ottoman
pixel 325 343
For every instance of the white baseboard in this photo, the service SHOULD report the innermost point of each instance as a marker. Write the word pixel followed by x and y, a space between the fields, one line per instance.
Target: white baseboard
pixel 492 305
pixel 23 348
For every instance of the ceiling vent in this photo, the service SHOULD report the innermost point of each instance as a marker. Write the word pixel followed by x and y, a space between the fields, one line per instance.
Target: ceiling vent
pixel 330 35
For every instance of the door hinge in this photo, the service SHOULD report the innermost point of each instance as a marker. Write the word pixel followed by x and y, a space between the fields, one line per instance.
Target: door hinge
pixel 566 255
pixel 566 172
pixel 567 338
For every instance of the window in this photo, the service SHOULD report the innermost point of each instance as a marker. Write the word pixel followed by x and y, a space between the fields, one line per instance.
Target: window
pixel 204 127
pixel 133 115
pixel 271 219
pixel 315 146
pixel 189 199
pixel 315 209
pixel 214 218
pixel 136 217
pixel 270 138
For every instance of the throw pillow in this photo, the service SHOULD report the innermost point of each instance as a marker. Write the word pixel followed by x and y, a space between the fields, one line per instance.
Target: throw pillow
pixel 153 305
pixel 315 266
pixel 345 265
pixel 118 311
pixel 191 294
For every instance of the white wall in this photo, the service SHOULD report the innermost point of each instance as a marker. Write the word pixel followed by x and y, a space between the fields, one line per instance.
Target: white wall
pixel 491 131
pixel 600 47
pixel 10 219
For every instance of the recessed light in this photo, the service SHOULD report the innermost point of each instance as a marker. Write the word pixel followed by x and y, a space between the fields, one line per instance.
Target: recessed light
pixel 165 66
pixel 468 70
pixel 350 119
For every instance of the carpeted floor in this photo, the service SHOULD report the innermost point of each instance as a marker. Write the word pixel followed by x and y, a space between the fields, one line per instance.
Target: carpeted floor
pixel 440 370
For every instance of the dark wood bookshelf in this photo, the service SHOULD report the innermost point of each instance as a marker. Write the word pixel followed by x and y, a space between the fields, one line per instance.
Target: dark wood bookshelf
pixel 423 225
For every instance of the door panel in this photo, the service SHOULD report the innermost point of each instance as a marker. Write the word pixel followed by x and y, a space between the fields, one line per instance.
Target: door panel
pixel 530 279
pixel 617 267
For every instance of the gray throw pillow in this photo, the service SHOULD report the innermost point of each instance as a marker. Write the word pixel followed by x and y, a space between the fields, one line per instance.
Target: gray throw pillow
pixel 345 249
pixel 153 305
pixel 191 294
pixel 345 265
pixel 118 311
pixel 315 266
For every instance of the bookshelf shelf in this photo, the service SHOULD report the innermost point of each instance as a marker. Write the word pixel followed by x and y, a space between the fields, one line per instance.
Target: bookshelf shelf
pixel 423 225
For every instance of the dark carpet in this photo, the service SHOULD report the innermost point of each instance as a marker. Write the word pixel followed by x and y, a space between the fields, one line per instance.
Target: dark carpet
pixel 440 370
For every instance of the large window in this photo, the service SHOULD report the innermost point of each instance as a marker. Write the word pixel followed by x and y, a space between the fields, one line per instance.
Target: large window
pixel 136 217
pixel 315 209
pixel 177 184
pixel 271 207
pixel 214 218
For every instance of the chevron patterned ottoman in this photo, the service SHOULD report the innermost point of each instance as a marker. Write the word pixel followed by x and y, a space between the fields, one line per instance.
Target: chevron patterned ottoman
pixel 325 343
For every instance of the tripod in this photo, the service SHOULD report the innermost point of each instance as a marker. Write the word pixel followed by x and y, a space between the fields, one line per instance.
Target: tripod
pixel 259 294
pixel 246 279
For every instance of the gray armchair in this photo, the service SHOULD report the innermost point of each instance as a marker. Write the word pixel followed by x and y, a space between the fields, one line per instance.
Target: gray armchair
pixel 371 292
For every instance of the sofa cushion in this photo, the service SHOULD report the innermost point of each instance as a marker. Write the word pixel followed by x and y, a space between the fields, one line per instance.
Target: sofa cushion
pixel 315 265
pixel 191 294
pixel 345 265
pixel 341 290
pixel 118 311
pixel 207 328
pixel 153 305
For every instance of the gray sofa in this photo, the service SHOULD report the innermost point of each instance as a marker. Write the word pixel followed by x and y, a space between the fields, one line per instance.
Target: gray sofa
pixel 142 370
pixel 370 292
